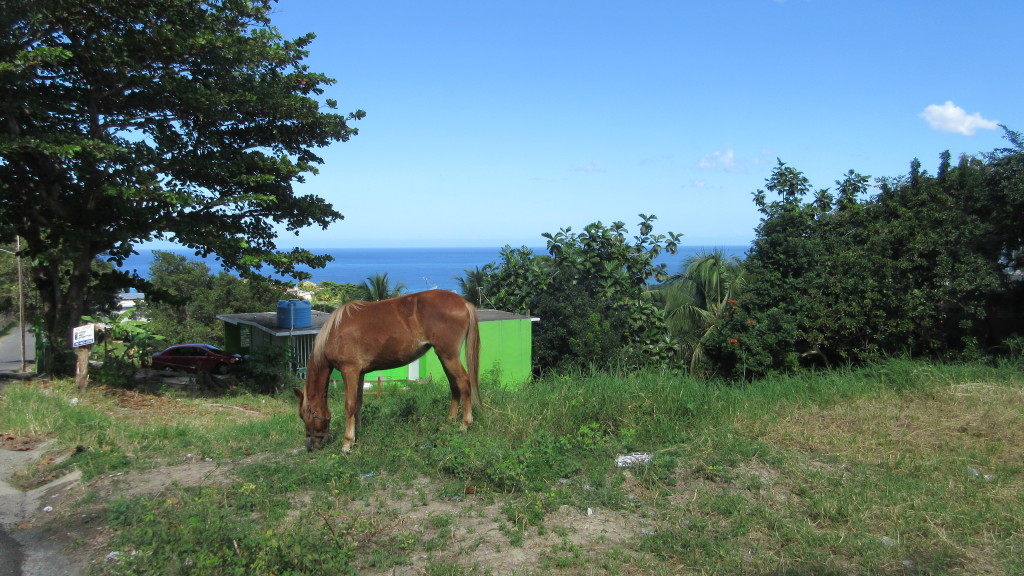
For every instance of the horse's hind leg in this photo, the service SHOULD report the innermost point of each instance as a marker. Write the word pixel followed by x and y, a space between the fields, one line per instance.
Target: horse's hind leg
pixel 458 380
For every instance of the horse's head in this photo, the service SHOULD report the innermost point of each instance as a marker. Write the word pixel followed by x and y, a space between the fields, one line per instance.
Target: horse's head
pixel 317 419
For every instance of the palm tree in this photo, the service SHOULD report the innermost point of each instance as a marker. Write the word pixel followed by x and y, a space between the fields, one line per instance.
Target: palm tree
pixel 379 287
pixel 698 299
pixel 471 284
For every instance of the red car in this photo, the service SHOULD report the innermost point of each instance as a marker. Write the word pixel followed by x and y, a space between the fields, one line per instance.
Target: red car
pixel 196 358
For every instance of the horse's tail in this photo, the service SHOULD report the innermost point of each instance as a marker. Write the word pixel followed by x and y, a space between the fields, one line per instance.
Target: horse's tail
pixel 473 354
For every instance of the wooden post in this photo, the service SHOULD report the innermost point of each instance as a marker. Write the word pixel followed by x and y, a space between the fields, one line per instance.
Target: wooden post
pixel 379 380
pixel 82 366
pixel 82 339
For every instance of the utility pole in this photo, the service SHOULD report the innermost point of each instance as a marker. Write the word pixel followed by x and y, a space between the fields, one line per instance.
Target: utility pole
pixel 21 305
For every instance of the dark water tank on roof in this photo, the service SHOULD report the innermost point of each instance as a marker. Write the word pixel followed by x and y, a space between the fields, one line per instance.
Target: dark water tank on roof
pixel 294 314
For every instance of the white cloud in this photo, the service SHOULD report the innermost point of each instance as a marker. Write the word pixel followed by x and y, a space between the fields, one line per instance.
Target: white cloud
pixel 761 158
pixel 720 160
pixel 951 118
pixel 702 186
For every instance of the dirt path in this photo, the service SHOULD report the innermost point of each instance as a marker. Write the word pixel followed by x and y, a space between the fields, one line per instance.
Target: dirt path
pixel 28 550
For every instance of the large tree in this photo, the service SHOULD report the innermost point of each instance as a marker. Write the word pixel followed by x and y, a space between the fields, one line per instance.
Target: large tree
pixel 124 122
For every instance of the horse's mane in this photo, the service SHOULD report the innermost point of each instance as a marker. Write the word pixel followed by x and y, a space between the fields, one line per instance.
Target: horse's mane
pixel 332 322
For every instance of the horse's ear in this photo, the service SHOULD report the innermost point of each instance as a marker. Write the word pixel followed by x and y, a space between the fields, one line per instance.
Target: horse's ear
pixel 299 394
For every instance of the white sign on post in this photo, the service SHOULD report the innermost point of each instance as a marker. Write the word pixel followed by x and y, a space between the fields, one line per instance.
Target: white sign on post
pixel 83 335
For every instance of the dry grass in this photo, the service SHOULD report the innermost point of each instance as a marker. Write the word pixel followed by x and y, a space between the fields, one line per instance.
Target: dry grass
pixel 929 471
pixel 968 419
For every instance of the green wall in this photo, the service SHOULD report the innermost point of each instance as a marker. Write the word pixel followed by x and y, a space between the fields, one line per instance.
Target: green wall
pixel 505 351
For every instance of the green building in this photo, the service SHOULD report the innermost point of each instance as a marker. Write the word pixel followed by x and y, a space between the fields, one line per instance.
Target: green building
pixel 505 346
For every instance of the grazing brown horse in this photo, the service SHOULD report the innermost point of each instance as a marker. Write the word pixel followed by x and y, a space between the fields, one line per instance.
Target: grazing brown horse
pixel 361 337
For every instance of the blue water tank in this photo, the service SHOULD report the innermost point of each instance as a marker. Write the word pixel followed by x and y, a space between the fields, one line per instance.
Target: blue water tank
pixel 294 314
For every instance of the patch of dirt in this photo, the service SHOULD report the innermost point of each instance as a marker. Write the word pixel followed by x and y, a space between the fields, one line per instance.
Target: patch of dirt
pixel 15 443
pixel 479 531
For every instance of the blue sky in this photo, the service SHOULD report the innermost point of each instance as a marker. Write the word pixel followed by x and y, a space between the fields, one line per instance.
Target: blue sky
pixel 489 123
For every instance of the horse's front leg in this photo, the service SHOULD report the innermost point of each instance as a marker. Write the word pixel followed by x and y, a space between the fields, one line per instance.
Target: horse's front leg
pixel 353 402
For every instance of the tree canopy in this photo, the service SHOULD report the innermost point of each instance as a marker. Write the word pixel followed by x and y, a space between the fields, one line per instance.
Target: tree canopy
pixel 125 122
pixel 189 297
pixel 591 293
pixel 913 269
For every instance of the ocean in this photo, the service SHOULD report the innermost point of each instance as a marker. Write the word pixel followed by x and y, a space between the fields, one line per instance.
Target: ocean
pixel 417 268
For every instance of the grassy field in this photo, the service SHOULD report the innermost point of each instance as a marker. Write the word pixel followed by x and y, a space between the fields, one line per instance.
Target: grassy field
pixel 900 468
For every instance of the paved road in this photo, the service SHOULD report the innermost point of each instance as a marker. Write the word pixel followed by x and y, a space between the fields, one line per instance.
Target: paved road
pixel 10 364
pixel 10 355
pixel 12 555
pixel 27 550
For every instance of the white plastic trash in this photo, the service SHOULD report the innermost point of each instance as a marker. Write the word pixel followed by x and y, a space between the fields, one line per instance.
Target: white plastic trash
pixel 626 460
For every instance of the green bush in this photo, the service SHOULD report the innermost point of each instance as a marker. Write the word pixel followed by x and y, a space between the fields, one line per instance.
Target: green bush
pixel 850 279
pixel 267 370
pixel 115 371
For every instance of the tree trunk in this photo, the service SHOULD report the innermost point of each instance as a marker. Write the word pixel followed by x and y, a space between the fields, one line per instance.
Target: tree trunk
pixel 63 304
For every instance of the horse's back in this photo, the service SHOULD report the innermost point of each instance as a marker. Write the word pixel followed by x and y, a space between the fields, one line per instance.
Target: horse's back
pixel 391 333
pixel 442 303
